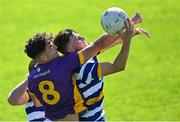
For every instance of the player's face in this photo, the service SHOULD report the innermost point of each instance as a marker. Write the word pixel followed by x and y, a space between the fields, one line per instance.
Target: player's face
pixel 50 50
pixel 76 43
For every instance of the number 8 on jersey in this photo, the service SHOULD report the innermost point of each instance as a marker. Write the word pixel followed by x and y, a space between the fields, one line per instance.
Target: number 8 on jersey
pixel 50 91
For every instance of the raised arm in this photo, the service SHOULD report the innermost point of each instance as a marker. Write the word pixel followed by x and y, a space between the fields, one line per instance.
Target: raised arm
pixel 18 95
pixel 107 41
pixel 120 61
pixel 100 44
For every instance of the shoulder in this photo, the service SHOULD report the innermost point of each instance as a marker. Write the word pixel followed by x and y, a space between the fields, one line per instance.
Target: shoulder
pixel 67 56
pixel 89 64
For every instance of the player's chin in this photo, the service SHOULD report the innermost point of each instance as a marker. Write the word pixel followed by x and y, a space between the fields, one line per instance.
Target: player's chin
pixel 81 46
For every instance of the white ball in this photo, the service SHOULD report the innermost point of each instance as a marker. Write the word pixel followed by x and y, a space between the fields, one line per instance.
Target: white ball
pixel 112 20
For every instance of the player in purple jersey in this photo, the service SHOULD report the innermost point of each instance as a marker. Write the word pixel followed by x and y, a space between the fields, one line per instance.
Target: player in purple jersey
pixel 70 41
pixel 51 80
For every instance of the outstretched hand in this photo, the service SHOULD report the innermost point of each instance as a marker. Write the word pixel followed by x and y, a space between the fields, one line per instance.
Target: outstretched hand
pixel 137 18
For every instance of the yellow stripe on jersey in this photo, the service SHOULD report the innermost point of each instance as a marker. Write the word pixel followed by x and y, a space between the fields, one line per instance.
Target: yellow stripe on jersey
pixel 81 57
pixel 35 99
pixel 26 96
pixel 99 71
pixel 79 106
pixel 96 99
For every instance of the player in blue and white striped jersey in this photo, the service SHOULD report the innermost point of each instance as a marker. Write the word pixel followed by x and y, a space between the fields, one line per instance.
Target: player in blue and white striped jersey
pixel 90 83
pixel 34 113
pixel 89 77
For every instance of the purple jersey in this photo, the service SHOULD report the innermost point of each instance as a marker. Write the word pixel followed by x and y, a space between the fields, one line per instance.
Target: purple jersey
pixel 53 85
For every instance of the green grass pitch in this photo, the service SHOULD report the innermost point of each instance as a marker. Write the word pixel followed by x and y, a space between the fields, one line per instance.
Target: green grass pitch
pixel 149 88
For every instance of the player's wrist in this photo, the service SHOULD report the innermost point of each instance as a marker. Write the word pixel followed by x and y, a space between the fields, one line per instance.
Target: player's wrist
pixel 127 41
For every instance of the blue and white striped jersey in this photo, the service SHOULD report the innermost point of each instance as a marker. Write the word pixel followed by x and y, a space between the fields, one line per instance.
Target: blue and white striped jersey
pixel 90 84
pixel 34 113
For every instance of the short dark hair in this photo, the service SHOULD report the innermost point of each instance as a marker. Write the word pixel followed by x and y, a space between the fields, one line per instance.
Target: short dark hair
pixel 62 39
pixel 36 44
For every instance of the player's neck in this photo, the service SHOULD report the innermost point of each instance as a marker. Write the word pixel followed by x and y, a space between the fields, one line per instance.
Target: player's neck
pixel 40 61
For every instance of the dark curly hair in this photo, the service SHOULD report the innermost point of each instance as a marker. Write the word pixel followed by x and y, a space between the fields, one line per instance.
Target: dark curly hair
pixel 62 39
pixel 36 45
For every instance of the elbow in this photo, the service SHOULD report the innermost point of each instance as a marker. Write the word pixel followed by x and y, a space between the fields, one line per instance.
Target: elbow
pixel 123 68
pixel 12 101
pixel 119 69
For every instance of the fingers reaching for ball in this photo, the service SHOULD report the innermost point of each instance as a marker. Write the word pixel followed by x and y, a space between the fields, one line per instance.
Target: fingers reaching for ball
pixel 139 31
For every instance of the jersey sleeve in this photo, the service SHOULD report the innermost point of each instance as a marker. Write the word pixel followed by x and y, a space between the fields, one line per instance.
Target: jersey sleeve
pixel 99 70
pixel 34 99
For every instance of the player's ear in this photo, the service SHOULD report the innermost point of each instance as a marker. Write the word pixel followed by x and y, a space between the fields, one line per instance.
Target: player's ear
pixel 44 58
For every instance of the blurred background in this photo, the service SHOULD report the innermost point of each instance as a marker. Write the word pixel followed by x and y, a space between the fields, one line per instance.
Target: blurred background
pixel 149 88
